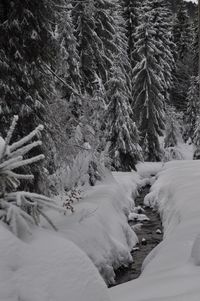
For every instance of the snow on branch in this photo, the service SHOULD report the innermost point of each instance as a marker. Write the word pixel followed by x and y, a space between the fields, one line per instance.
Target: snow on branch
pixel 21 209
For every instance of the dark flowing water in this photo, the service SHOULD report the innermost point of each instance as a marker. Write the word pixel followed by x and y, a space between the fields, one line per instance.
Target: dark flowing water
pixel 149 237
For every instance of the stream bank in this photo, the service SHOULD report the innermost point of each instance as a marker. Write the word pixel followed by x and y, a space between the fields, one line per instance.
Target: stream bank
pixel 149 235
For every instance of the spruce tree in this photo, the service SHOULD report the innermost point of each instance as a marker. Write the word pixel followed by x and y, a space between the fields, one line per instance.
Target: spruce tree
pixel 192 107
pixel 94 32
pixel 148 90
pixel 161 18
pixel 172 131
pixel 68 60
pixel 130 15
pixel 121 42
pixel 20 209
pixel 196 140
pixel 27 45
pixel 195 47
pixel 182 35
pixel 123 134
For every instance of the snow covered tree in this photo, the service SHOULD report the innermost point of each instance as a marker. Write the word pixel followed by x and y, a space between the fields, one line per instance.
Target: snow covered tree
pixel 195 46
pixel 106 29
pixel 94 32
pixel 182 31
pixel 172 131
pixel 20 209
pixel 121 42
pixel 182 35
pixel 196 140
pixel 27 45
pixel 130 15
pixel 125 151
pixel 161 18
pixel 68 60
pixel 148 90
pixel 192 107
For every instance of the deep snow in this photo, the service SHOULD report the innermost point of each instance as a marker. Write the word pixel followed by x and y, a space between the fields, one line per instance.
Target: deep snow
pixel 99 224
pixel 47 268
pixel 171 272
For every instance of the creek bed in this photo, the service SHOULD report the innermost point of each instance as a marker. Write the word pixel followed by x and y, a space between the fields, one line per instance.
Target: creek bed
pixel 150 235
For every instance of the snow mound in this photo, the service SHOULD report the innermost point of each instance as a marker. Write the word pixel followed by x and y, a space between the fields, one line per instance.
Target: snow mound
pixel 137 217
pixel 148 169
pixel 48 268
pixel 99 224
pixel 55 269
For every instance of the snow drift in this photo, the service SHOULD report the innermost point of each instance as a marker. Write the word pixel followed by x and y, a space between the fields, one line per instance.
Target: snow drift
pixel 99 224
pixel 47 268
pixel 171 271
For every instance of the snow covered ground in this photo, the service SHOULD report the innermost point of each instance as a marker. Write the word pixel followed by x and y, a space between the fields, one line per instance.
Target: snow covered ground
pixel 47 268
pixel 171 272
pixel 99 223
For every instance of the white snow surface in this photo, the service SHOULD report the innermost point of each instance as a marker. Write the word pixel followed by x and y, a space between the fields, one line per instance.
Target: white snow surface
pixel 47 268
pixel 149 169
pixel 171 272
pixel 99 224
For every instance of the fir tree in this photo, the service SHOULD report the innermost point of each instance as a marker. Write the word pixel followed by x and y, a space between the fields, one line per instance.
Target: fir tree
pixel 148 90
pixel 20 209
pixel 182 34
pixel 195 47
pixel 94 32
pixel 192 107
pixel 182 31
pixel 123 134
pixel 25 38
pixel 161 18
pixel 130 15
pixel 172 132
pixel 68 60
pixel 196 140
pixel 121 41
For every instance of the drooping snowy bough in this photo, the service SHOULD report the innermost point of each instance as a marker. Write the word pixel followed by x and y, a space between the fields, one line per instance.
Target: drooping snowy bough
pixel 20 209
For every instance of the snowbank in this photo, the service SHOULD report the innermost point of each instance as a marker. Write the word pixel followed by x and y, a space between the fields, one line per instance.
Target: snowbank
pixel 48 268
pixel 148 169
pixel 99 224
pixel 171 271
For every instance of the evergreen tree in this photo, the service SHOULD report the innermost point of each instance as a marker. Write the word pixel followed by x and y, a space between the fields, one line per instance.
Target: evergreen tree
pixel 130 15
pixel 161 18
pixel 26 34
pixel 123 134
pixel 195 47
pixel 148 90
pixel 182 34
pixel 94 33
pixel 196 140
pixel 20 209
pixel 192 107
pixel 172 131
pixel 68 60
pixel 121 41
pixel 182 31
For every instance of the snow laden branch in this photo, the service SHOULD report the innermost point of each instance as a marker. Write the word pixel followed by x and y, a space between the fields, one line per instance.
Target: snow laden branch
pixel 21 209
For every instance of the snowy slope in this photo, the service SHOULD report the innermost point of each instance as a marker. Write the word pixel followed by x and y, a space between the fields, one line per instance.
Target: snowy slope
pixel 47 268
pixel 172 270
pixel 99 225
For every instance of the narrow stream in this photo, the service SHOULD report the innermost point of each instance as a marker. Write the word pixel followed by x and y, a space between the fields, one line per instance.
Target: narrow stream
pixel 150 235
